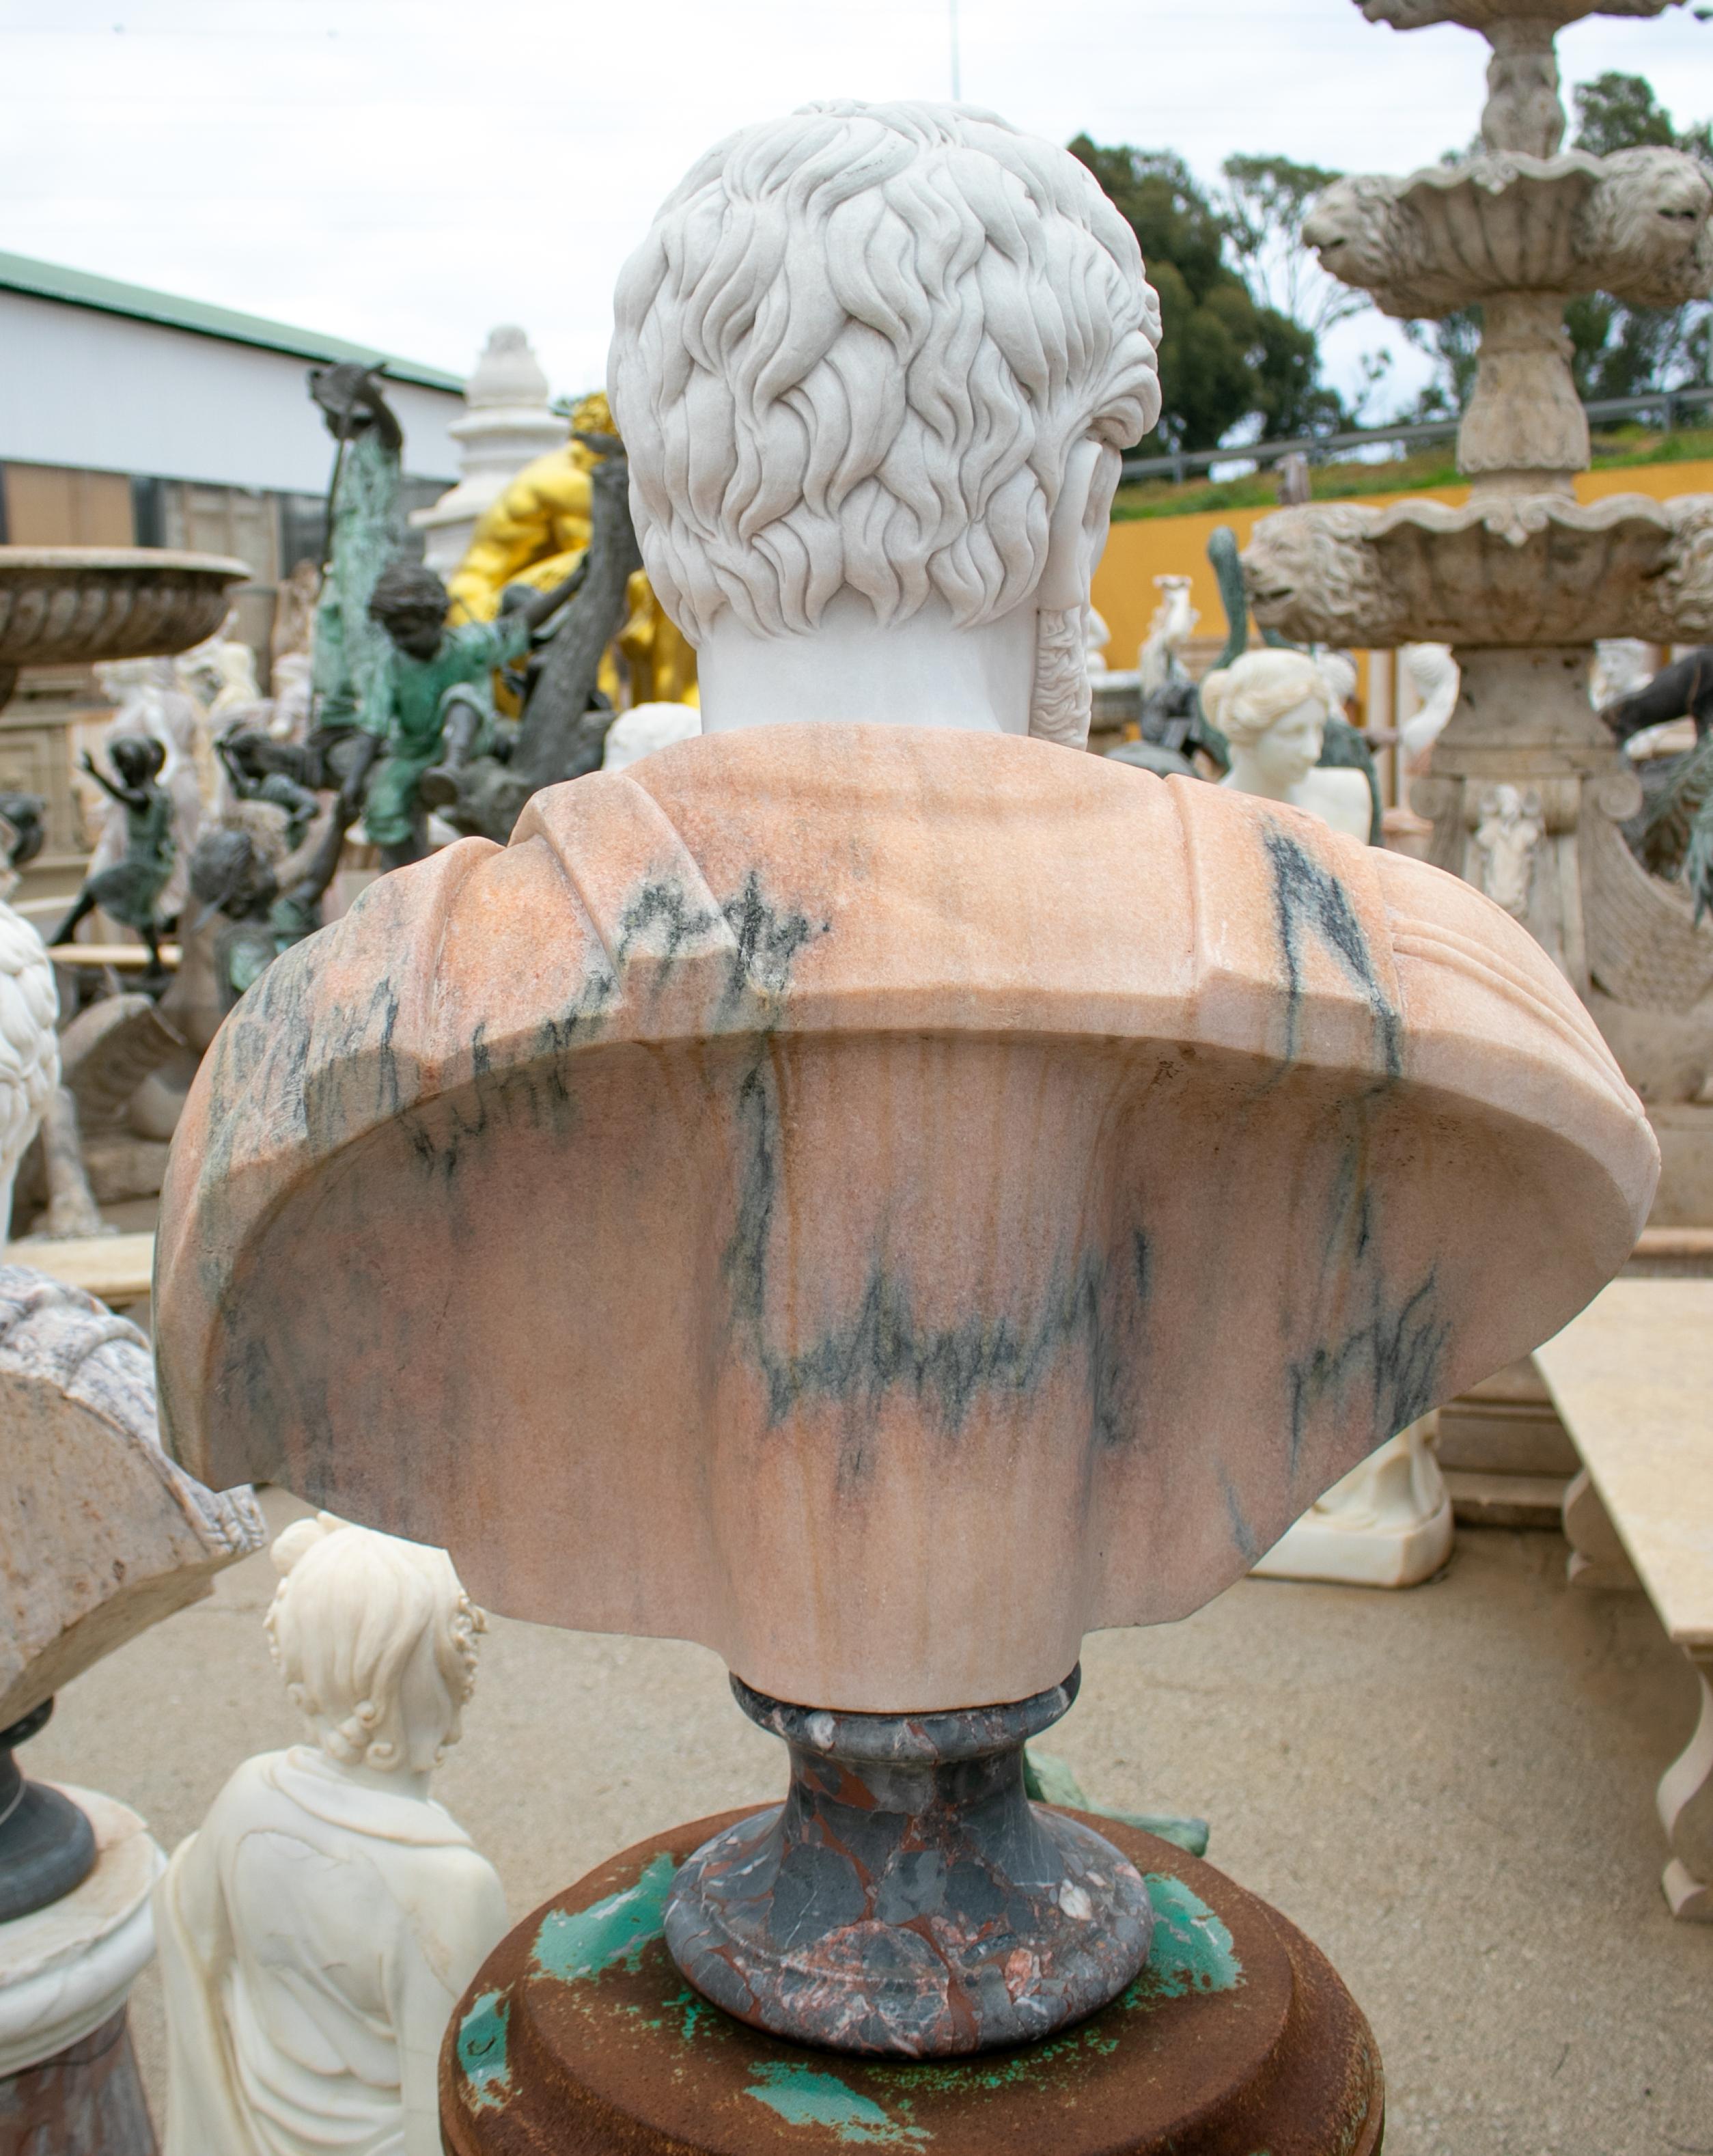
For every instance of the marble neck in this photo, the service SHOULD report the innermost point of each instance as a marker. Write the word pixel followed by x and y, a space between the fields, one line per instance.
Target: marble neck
pixel 850 670
pixel 1247 776
pixel 397 1782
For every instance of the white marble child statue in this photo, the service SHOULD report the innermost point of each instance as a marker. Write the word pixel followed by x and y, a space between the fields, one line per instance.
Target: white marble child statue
pixel 1272 707
pixel 316 1933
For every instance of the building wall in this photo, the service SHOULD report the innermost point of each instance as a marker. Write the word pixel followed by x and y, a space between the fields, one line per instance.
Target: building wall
pixel 97 392
pixel 45 506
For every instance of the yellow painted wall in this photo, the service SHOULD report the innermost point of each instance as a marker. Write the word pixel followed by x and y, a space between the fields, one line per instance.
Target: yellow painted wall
pixel 1177 545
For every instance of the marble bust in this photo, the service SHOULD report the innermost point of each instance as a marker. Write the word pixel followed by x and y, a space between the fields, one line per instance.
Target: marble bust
pixel 1272 707
pixel 316 1931
pixel 785 1198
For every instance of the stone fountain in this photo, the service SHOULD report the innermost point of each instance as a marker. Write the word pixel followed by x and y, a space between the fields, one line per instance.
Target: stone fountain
pixel 72 606
pixel 1528 790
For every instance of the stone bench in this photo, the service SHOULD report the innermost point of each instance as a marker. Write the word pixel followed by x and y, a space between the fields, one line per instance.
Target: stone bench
pixel 116 1269
pixel 1632 1379
pixel 1507 1458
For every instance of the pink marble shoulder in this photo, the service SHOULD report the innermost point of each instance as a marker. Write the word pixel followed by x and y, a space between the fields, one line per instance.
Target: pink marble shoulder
pixel 988 1148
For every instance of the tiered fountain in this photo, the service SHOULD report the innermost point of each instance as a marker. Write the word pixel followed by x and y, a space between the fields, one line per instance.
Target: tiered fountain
pixel 1528 789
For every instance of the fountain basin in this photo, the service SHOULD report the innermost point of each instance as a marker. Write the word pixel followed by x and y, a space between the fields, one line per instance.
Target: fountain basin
pixel 62 606
pixel 1491 16
pixel 1505 571
pixel 1634 225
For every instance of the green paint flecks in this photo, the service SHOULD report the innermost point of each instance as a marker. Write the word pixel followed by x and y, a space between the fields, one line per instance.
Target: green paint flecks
pixel 691 2007
pixel 481 2050
pixel 804 2095
pixel 1192 1950
pixel 570 1945
pixel 1191 1953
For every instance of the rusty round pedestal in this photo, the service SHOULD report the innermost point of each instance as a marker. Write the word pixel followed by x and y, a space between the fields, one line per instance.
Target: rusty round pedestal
pixel 85 2101
pixel 579 2037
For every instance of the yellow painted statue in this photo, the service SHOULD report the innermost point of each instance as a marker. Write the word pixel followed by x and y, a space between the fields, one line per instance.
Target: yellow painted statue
pixel 536 532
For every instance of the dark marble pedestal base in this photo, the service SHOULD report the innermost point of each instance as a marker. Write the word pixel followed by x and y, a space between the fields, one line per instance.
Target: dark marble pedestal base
pixel 85 2101
pixel 579 2037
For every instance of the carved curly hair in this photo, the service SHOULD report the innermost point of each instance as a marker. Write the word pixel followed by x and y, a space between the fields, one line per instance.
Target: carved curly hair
pixel 856 352
pixel 376 1640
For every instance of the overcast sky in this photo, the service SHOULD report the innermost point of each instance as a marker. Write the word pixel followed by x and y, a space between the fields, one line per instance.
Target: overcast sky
pixel 408 172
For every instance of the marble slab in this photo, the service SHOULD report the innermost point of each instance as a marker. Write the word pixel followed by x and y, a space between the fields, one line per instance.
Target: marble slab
pixel 1633 1379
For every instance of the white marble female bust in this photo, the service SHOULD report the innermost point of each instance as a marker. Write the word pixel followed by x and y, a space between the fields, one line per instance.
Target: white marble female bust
pixel 316 1932
pixel 1272 707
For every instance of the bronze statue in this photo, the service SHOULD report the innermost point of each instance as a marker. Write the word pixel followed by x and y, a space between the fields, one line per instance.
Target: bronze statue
pixel 566 717
pixel 365 530
pixel 429 706
pixel 267 906
pixel 129 890
pixel 1672 833
pixel 263 769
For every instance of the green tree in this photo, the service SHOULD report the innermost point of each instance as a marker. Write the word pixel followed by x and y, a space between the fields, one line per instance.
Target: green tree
pixel 1454 344
pixel 1226 359
pixel 1620 112
pixel 1269 197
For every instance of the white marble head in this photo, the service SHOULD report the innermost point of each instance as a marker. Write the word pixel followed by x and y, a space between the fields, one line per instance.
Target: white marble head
pixel 375 1641
pixel 645 728
pixel 1272 707
pixel 874 366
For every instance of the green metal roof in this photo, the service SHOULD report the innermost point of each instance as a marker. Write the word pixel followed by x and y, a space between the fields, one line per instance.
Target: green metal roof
pixel 79 288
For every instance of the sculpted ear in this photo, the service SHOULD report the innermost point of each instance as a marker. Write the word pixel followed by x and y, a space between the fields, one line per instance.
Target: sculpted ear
pixel 1077 532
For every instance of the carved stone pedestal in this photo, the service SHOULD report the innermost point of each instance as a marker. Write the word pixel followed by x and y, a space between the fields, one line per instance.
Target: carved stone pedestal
pixel 1527 796
pixel 1527 791
pixel 69 2083
pixel 579 2034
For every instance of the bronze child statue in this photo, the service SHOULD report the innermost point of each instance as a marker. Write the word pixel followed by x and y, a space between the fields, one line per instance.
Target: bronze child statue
pixel 263 769
pixel 420 709
pixel 130 889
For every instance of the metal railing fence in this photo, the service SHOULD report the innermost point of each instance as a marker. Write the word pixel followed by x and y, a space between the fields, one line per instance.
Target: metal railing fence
pixel 1178 464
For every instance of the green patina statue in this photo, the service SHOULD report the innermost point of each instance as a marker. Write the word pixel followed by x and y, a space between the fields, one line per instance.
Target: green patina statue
pixel 263 769
pixel 429 708
pixel 364 532
pixel 267 907
pixel 131 890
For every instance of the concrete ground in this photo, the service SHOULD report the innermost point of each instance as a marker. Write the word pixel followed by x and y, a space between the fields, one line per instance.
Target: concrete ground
pixel 1450 1790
